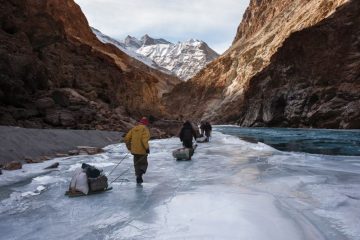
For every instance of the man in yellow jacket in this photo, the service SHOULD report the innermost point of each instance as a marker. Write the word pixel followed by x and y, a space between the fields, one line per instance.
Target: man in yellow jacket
pixel 137 141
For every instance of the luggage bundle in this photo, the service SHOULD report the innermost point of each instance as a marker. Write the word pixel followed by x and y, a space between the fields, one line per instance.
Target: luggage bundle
pixel 202 139
pixel 87 180
pixel 96 179
pixel 184 153
pixel 98 184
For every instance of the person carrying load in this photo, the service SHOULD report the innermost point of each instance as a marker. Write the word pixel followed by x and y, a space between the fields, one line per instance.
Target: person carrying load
pixel 137 142
pixel 208 130
pixel 187 133
pixel 202 128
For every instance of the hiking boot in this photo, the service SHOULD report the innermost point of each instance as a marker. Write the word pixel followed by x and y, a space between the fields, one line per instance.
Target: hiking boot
pixel 139 179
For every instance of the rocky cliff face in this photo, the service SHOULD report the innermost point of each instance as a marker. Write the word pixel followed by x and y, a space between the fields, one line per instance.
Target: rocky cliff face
pixel 54 72
pixel 313 80
pixel 222 91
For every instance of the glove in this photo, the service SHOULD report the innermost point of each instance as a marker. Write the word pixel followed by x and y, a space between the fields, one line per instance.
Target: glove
pixel 148 151
pixel 128 146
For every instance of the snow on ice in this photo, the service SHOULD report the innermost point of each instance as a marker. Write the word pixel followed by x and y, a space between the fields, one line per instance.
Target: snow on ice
pixel 232 189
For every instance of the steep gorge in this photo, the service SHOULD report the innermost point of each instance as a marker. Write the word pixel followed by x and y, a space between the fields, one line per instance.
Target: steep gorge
pixel 313 80
pixel 54 72
pixel 229 89
pixel 292 64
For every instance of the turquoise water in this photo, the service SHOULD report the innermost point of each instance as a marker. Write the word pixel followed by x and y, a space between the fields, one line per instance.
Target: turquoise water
pixel 318 141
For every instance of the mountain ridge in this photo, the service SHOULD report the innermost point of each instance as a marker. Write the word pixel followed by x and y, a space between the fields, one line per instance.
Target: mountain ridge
pixel 182 59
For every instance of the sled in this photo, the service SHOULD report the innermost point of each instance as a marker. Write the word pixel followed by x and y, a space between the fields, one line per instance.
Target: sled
pixel 184 154
pixel 80 194
pixel 202 140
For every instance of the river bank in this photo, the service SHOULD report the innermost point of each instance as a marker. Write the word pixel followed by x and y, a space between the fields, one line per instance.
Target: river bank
pixel 18 144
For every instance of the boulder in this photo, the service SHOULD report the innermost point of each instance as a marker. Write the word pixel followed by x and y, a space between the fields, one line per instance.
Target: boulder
pixel 22 113
pixel 45 158
pixel 86 150
pixel 52 117
pixel 32 123
pixel 157 133
pixel 30 160
pixel 45 103
pixel 14 165
pixel 73 152
pixel 60 98
pixel 60 118
pixel 54 165
pixel 67 119
pixel 67 96
pixel 7 119
pixel 61 155
pixel 86 115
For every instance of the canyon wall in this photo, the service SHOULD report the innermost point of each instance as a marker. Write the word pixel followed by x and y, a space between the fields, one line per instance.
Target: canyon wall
pixel 313 80
pixel 229 89
pixel 54 72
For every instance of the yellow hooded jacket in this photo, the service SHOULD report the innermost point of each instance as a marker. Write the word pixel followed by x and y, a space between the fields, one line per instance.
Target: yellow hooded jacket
pixel 137 139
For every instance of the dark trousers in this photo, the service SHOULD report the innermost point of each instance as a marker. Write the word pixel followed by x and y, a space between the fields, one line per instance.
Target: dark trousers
pixel 207 134
pixel 188 143
pixel 140 164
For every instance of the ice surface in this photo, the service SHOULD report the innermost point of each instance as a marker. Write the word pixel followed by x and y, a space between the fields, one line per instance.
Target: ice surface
pixel 232 189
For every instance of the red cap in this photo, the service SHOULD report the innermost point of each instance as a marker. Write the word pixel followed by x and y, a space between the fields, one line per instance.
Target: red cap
pixel 144 121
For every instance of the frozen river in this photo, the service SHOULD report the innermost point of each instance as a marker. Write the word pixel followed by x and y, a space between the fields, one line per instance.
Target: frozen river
pixel 232 189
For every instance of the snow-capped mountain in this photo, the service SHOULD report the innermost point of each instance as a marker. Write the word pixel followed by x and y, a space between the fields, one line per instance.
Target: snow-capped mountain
pixel 147 41
pixel 183 59
pixel 132 43
pixel 129 47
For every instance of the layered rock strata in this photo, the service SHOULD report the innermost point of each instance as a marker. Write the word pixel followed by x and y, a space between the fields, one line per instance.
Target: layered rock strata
pixel 54 72
pixel 320 63
pixel 313 80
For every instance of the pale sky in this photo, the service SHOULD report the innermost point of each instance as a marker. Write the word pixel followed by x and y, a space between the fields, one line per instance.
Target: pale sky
pixel 213 21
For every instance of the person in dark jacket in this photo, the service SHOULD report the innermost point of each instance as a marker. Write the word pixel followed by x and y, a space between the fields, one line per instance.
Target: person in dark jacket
pixel 202 128
pixel 186 135
pixel 207 129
